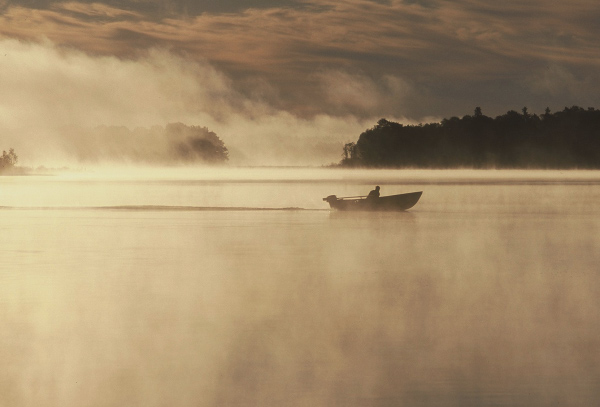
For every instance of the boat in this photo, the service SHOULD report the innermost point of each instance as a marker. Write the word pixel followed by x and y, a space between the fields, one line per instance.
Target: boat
pixel 400 202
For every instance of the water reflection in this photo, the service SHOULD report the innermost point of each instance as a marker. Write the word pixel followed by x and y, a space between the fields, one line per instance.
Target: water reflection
pixel 487 302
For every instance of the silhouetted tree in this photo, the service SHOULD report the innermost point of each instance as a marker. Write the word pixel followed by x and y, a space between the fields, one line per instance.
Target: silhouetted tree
pixel 8 160
pixel 350 154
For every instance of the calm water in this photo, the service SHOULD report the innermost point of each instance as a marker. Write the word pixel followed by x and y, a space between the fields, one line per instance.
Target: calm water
pixel 144 291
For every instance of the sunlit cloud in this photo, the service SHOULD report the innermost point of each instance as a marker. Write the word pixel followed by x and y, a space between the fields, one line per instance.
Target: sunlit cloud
pixel 324 31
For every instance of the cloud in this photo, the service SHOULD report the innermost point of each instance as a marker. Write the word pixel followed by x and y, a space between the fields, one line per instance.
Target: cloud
pixel 70 87
pixel 447 57
pixel 356 92
pixel 557 82
pixel 171 7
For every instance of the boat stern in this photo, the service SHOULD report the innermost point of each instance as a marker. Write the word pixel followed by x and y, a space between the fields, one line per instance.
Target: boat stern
pixel 331 200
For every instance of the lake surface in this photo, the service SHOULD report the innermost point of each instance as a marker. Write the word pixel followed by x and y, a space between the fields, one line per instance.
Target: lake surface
pixel 171 288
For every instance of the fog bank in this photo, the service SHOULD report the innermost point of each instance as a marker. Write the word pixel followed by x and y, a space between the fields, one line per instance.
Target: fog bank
pixel 55 98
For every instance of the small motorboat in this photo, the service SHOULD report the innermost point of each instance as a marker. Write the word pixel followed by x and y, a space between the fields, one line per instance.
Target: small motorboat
pixel 399 202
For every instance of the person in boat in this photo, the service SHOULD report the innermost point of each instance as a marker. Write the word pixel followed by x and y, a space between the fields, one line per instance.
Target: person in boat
pixel 374 194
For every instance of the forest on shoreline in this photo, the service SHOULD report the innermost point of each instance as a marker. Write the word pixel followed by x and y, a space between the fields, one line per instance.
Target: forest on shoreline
pixel 566 139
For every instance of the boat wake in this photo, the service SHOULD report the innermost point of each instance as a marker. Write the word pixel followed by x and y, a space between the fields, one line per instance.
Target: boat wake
pixel 191 208
pixel 153 208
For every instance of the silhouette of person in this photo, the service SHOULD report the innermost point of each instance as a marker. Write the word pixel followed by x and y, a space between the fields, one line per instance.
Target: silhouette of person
pixel 374 194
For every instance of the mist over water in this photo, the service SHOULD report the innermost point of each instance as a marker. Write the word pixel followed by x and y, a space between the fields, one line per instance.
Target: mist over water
pixel 486 293
pixel 65 107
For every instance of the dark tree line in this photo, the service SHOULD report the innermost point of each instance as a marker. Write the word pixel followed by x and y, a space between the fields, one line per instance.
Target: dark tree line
pixel 565 139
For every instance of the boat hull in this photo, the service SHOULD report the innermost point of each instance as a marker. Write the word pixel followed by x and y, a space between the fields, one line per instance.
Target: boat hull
pixel 399 202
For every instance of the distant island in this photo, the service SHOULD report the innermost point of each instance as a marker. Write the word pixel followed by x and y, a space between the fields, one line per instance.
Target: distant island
pixel 174 144
pixel 565 139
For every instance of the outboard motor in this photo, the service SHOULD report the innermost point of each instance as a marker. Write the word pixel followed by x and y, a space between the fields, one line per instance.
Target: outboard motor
pixel 330 198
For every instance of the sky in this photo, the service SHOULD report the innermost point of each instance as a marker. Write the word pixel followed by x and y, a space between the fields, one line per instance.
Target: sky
pixel 284 82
